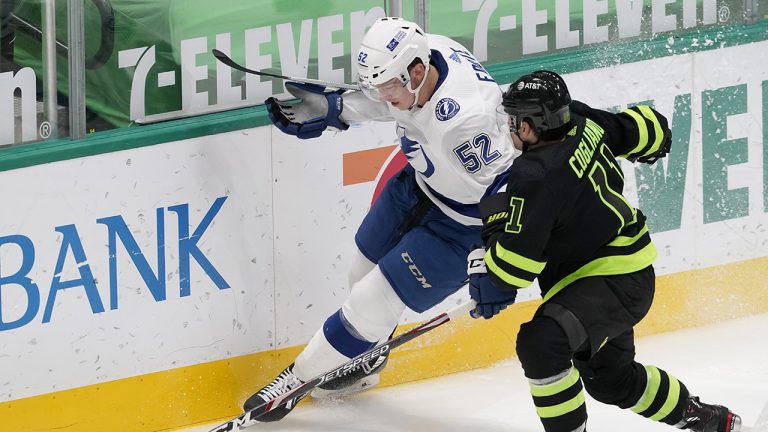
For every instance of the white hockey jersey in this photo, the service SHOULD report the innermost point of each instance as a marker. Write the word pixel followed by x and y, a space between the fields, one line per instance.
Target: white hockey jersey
pixel 457 142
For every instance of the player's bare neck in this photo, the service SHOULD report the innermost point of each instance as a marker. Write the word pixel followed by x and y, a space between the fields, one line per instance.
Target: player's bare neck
pixel 429 86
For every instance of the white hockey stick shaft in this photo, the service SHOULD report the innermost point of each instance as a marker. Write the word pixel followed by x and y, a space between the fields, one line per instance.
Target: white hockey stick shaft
pixel 220 56
pixel 249 417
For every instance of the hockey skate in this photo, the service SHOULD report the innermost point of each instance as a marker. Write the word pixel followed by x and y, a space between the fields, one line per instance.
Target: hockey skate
pixel 284 382
pixel 701 417
pixel 364 377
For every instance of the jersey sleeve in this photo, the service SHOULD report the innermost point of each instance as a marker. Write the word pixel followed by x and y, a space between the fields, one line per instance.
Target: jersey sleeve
pixel 637 132
pixel 359 108
pixel 515 252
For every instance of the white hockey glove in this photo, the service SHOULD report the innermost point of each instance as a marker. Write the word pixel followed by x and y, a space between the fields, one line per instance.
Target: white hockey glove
pixel 317 109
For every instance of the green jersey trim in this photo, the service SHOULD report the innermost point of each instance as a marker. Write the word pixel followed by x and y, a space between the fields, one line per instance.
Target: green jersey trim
pixel 513 259
pixel 608 265
pixel 642 131
pixel 647 113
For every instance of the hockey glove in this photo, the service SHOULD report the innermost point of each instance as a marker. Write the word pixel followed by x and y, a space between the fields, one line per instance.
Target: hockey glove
pixel 490 300
pixel 316 110
pixel 494 210
pixel 666 145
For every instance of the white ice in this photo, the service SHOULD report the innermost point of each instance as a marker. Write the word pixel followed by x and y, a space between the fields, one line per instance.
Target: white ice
pixel 725 363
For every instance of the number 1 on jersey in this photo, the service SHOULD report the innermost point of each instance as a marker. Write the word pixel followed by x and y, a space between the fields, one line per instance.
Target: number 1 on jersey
pixel 515 214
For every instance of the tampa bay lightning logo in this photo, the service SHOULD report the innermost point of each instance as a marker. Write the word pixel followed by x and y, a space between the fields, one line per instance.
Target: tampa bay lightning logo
pixel 446 108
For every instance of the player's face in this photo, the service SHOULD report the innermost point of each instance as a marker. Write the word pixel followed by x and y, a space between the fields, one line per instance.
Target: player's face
pixel 512 125
pixel 396 93
pixel 508 124
pixel 517 141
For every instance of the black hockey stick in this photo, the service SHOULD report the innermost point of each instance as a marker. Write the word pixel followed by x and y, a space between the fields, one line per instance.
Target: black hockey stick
pixel 220 56
pixel 249 417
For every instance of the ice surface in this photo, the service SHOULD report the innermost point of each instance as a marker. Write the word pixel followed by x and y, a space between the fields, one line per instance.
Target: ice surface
pixel 725 363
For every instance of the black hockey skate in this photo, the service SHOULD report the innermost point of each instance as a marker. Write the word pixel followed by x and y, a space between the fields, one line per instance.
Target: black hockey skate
pixel 701 417
pixel 361 378
pixel 284 382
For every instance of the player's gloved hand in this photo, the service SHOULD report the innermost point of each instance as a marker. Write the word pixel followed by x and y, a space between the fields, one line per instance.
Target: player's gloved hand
pixel 316 110
pixel 490 300
pixel 494 210
pixel 666 145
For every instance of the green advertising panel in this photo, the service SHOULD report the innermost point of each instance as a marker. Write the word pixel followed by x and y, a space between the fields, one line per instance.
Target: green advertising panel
pixel 161 63
pixel 499 31
pixel 150 60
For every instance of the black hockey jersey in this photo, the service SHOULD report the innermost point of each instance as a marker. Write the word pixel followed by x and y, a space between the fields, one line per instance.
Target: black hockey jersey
pixel 564 214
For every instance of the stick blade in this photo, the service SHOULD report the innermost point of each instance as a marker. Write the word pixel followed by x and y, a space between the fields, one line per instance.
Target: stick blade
pixel 220 56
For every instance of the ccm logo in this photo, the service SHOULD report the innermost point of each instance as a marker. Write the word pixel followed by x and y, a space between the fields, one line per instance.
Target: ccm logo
pixel 415 270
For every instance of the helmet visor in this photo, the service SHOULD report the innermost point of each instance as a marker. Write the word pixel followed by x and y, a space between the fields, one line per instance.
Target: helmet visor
pixel 383 92
pixel 506 121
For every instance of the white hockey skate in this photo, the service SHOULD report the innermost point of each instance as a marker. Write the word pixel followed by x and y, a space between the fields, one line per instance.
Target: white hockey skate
pixel 283 383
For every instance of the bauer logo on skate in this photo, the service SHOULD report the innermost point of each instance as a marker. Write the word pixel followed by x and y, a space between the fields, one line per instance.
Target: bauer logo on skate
pixel 71 249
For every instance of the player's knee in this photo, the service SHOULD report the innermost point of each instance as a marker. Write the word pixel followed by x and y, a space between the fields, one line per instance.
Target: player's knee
pixel 542 347
pixel 360 267
pixel 373 308
pixel 620 386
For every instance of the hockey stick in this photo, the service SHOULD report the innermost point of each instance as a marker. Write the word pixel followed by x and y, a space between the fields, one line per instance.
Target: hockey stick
pixel 249 417
pixel 220 56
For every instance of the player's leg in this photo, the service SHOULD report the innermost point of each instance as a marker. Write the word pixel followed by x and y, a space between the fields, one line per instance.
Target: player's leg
pixel 612 376
pixel 581 320
pixel 367 318
pixel 382 228
pixel 360 267
pixel 418 272
pixel 399 208
pixel 606 361
pixel 545 354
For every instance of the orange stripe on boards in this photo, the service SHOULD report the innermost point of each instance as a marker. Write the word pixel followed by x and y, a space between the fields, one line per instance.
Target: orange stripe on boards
pixel 363 166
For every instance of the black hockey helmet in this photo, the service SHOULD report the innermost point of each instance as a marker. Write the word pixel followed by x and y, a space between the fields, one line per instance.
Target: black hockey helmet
pixel 542 97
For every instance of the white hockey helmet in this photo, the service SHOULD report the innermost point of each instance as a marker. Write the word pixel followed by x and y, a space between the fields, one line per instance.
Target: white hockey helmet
pixel 388 48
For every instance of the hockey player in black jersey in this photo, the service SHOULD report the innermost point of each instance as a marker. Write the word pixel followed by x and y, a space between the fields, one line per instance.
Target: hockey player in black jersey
pixel 563 219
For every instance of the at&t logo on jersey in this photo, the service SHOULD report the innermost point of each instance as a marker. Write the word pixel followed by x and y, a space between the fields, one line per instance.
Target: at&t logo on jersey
pixel 446 108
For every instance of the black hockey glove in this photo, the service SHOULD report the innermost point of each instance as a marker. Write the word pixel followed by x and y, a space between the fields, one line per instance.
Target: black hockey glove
pixel 317 110
pixel 490 300
pixel 666 145
pixel 494 210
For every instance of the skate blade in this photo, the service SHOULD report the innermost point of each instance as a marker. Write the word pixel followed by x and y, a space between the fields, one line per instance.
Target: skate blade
pixel 366 383
pixel 736 423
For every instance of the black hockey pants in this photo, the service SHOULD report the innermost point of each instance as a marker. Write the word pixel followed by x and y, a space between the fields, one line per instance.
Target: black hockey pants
pixel 582 338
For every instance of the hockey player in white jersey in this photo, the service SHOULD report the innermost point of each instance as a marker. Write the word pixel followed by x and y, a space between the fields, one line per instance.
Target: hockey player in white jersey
pixel 414 241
